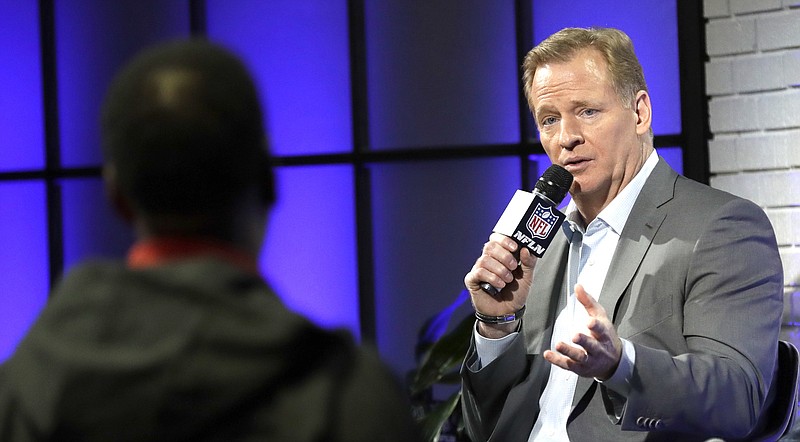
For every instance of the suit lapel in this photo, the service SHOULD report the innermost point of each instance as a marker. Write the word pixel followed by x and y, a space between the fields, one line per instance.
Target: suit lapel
pixel 640 229
pixel 643 222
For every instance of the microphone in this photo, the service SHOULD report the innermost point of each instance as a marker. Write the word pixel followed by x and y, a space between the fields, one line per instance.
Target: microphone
pixel 532 219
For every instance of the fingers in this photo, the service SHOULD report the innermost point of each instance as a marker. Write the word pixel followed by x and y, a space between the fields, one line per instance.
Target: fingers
pixel 595 354
pixel 495 265
pixel 526 258
pixel 599 324
pixel 592 307
pixel 578 360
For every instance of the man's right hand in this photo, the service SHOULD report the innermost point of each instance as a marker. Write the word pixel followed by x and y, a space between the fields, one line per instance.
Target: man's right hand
pixel 499 267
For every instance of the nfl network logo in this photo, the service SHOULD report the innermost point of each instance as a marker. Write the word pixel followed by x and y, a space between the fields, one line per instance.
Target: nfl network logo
pixel 541 221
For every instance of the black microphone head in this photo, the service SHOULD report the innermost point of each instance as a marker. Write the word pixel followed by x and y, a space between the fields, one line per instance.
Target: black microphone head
pixel 554 183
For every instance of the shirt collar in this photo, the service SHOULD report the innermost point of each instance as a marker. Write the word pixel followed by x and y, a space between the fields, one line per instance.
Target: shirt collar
pixel 615 214
pixel 157 251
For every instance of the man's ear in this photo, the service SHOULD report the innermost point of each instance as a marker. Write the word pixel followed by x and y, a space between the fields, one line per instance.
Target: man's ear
pixel 644 112
pixel 121 204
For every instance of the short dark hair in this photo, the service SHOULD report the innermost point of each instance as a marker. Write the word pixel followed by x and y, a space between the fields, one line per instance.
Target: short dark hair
pixel 183 129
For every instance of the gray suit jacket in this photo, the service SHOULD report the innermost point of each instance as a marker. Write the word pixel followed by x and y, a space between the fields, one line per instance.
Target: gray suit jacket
pixel 696 285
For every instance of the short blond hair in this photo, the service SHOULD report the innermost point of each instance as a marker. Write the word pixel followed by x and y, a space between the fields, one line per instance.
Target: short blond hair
pixel 616 48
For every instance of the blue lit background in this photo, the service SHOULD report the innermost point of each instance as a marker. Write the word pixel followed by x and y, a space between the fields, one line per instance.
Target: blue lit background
pixel 298 51
pixel 310 253
pixel 441 73
pixel 91 228
pixel 23 259
pixel 430 220
pixel 93 39
pixel 21 116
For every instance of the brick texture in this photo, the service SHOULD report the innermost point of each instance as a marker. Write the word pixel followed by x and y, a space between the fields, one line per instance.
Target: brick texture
pixel 732 36
pixel 779 30
pixel 748 6
pixel 753 84
pixel 716 8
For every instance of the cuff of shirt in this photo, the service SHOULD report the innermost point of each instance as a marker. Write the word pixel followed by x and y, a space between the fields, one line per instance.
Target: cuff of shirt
pixel 489 349
pixel 620 381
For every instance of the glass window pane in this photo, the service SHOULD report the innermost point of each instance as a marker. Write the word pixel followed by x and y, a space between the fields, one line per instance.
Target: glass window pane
pixel 441 73
pixel 93 39
pixel 21 119
pixel 299 52
pixel 309 255
pixel 23 260
pixel 653 27
pixel 430 221
pixel 91 228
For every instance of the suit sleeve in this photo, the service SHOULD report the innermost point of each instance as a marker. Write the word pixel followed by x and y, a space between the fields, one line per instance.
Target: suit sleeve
pixel 501 400
pixel 733 301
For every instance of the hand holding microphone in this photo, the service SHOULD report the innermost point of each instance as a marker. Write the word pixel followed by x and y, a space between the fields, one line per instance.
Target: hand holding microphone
pixel 532 219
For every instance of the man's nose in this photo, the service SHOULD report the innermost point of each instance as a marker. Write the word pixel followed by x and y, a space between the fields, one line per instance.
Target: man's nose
pixel 569 134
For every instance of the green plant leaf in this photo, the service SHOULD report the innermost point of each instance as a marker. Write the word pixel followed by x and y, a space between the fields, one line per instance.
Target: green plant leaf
pixel 433 422
pixel 444 356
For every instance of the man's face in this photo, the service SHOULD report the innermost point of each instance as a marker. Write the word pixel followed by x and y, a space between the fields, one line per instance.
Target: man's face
pixel 585 128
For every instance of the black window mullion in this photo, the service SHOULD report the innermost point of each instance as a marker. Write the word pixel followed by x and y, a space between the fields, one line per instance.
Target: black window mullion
pixel 523 11
pixel 52 147
pixel 694 107
pixel 363 189
pixel 198 25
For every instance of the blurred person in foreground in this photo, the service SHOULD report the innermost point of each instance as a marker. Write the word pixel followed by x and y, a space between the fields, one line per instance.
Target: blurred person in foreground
pixel 655 313
pixel 185 341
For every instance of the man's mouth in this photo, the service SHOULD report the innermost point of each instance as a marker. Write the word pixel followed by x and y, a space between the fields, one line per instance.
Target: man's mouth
pixel 576 164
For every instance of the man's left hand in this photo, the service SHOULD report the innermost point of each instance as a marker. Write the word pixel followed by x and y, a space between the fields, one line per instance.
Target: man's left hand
pixel 601 348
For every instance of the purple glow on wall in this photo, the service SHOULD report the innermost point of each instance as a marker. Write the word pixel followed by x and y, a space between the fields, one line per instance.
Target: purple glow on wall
pixel 441 73
pixel 85 208
pixel 21 118
pixel 430 219
pixel 23 259
pixel 298 51
pixel 310 252
pixel 93 39
pixel 653 27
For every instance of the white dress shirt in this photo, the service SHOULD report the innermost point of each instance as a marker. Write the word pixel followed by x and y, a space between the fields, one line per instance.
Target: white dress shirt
pixel 591 250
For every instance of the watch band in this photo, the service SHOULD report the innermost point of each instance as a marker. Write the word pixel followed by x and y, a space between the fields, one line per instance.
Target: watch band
pixel 503 319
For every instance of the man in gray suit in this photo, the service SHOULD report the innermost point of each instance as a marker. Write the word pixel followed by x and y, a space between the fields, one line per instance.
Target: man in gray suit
pixel 655 313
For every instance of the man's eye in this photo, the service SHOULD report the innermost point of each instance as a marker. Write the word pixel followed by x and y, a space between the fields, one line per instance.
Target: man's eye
pixel 549 120
pixel 590 112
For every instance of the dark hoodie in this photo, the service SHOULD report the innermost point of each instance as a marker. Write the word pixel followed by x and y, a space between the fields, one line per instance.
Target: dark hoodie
pixel 193 350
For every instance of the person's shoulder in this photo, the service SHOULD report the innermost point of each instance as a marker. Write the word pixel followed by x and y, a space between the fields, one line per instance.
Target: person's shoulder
pixel 709 199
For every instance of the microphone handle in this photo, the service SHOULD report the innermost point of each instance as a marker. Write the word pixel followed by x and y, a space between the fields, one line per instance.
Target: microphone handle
pixel 490 289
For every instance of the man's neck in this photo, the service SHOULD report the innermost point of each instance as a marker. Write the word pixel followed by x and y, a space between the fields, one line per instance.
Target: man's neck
pixel 589 206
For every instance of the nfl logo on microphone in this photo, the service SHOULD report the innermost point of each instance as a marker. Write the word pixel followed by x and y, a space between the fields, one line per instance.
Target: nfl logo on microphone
pixel 542 221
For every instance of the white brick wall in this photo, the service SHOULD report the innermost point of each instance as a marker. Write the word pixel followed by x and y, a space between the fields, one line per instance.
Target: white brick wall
pixel 753 81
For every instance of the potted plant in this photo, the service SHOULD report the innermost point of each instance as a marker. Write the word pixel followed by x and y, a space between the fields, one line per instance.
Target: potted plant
pixel 440 355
